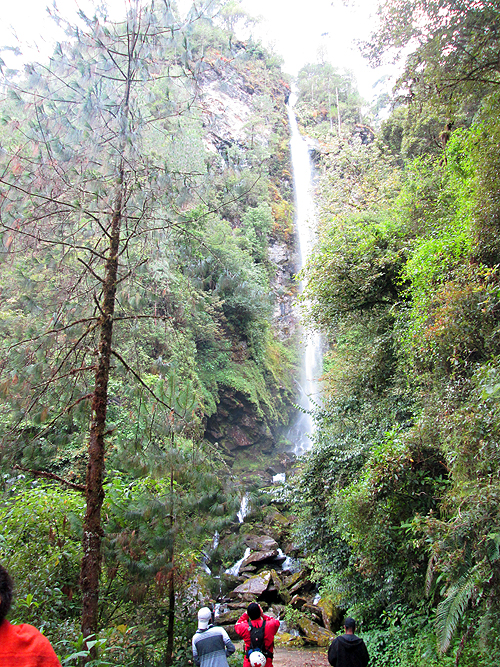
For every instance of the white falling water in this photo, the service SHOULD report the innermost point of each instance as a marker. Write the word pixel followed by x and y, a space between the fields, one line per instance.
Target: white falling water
pixel 235 569
pixel 215 540
pixel 244 508
pixel 305 223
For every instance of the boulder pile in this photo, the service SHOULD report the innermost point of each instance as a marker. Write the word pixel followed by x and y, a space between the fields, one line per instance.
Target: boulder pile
pixel 282 586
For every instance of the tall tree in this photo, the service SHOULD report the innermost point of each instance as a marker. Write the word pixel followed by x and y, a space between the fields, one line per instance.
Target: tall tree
pixel 88 180
pixel 453 44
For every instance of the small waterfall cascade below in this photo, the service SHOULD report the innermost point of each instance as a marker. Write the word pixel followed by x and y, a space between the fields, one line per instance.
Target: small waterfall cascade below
pixel 235 569
pixel 305 223
pixel 244 508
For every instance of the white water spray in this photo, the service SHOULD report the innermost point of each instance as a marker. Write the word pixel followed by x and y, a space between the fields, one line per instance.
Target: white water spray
pixel 305 222
pixel 244 508
pixel 235 569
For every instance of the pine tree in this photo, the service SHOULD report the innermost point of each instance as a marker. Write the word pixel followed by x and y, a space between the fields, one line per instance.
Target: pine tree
pixel 91 185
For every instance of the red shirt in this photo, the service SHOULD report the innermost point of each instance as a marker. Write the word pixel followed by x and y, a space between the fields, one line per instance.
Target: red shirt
pixel 241 629
pixel 24 646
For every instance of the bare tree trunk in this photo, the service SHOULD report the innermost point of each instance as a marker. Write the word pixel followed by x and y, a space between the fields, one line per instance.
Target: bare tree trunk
pixel 169 654
pixel 92 530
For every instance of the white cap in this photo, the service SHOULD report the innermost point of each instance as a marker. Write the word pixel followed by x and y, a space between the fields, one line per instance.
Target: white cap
pixel 204 618
pixel 257 659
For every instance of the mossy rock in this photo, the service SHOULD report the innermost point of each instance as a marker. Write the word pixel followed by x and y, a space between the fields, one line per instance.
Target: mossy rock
pixel 313 633
pixel 286 639
pixel 330 612
pixel 255 585
pixel 229 617
pixel 293 579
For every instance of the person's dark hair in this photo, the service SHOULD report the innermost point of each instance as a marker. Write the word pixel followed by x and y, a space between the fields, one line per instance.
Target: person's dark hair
pixel 350 624
pixel 253 611
pixel 6 589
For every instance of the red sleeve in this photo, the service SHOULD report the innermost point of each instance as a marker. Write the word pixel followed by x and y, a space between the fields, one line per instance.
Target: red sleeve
pixel 24 646
pixel 273 624
pixel 241 627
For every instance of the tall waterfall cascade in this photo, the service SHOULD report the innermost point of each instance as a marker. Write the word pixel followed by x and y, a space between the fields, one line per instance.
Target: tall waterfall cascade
pixel 305 223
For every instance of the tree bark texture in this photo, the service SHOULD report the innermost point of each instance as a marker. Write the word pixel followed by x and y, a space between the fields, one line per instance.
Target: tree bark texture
pixel 169 654
pixel 92 529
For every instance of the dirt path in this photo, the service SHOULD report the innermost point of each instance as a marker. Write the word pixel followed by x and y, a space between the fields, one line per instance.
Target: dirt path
pixel 299 657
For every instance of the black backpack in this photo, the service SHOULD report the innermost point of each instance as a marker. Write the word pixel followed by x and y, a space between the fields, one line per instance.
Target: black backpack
pixel 257 639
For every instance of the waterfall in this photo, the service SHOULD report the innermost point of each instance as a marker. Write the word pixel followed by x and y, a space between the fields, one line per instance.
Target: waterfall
pixel 235 569
pixel 244 508
pixel 305 223
pixel 215 540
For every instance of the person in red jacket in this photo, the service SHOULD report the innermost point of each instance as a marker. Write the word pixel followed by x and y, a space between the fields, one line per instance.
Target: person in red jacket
pixel 21 645
pixel 254 616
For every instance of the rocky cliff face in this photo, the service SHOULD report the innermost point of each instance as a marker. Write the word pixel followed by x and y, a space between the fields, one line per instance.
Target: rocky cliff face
pixel 244 108
pixel 237 426
pixel 226 101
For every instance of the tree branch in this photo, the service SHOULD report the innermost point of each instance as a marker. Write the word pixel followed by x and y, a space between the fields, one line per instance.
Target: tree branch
pixel 141 382
pixel 51 475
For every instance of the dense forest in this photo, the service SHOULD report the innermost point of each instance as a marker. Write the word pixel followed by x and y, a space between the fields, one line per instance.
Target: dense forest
pixel 144 175
pixel 150 342
pixel 398 500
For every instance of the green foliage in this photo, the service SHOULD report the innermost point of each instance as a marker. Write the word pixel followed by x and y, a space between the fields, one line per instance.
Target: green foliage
pixel 398 499
pixel 355 269
pixel 205 289
pixel 405 638
pixel 452 43
pixel 292 616
pixel 192 315
pixel 41 546
pixel 320 87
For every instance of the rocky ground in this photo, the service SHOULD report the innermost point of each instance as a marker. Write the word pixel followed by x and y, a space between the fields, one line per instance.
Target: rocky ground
pixel 273 573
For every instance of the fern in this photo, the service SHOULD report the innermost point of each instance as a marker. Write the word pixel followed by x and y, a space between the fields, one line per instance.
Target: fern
pixel 493 547
pixel 451 610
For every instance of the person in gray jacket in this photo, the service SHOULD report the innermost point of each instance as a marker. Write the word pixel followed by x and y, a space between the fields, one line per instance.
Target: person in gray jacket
pixel 348 650
pixel 211 645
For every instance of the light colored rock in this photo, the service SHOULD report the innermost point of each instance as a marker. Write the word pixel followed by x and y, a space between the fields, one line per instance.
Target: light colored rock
pixel 255 585
pixel 286 639
pixel 261 542
pixel 329 612
pixel 258 557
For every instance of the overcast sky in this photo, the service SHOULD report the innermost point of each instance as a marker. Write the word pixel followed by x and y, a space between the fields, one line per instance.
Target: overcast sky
pixel 322 26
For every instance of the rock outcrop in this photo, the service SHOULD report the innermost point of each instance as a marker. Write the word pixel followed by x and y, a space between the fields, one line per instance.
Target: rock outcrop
pixel 265 576
pixel 237 425
pixel 242 110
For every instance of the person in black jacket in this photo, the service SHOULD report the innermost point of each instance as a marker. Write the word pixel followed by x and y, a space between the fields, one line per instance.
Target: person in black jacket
pixel 348 650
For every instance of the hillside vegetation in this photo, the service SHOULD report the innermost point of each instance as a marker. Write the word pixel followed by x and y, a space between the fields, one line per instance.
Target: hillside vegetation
pixel 144 174
pixel 398 500
pixel 148 347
